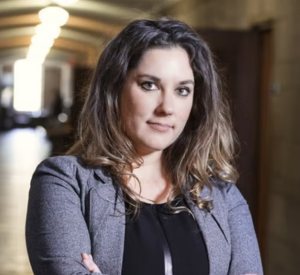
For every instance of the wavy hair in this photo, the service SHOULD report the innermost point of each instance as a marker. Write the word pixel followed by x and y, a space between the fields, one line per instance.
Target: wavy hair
pixel 205 149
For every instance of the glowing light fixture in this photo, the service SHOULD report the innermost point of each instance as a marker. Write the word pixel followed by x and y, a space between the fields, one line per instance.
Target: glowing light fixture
pixel 65 2
pixel 37 54
pixel 53 16
pixel 35 58
pixel 45 42
pixel 27 86
pixel 38 49
pixel 47 30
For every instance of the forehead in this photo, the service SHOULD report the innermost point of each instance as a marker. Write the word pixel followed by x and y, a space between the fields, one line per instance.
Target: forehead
pixel 165 62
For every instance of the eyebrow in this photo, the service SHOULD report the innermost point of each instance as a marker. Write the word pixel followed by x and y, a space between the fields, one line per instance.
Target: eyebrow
pixel 155 78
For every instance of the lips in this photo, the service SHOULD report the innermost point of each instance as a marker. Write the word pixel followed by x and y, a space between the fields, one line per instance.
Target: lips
pixel 160 126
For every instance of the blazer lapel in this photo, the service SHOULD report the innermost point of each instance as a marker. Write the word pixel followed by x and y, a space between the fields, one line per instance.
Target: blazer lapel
pixel 218 248
pixel 107 226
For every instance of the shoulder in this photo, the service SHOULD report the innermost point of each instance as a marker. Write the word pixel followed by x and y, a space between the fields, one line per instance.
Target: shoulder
pixel 61 163
pixel 233 214
pixel 70 170
pixel 61 166
pixel 227 194
pixel 59 172
pixel 69 165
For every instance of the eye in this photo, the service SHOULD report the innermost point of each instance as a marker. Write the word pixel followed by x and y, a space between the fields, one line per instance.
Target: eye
pixel 149 86
pixel 184 91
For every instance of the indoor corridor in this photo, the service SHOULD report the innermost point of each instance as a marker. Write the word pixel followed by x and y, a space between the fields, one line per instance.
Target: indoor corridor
pixel 21 150
pixel 49 50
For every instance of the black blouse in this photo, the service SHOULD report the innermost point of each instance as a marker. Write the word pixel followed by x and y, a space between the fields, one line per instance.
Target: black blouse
pixel 160 243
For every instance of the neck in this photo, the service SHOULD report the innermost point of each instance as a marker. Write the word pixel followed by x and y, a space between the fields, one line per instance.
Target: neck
pixel 154 183
pixel 152 167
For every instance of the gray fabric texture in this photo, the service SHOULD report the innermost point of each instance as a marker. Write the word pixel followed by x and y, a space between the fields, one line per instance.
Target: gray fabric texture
pixel 72 209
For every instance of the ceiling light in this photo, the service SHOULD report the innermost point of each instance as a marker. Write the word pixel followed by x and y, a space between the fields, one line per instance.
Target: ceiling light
pixel 65 2
pixel 37 57
pixel 54 16
pixel 27 86
pixel 44 42
pixel 47 30
pixel 33 49
pixel 37 53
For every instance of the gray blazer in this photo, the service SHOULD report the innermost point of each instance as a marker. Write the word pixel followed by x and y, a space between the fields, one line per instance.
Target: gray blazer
pixel 71 210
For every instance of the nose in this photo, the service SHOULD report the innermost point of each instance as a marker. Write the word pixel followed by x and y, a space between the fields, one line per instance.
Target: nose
pixel 166 104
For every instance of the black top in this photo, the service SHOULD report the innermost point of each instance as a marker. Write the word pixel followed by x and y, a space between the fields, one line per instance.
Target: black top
pixel 161 243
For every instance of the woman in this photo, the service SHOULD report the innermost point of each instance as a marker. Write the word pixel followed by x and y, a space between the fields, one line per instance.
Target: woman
pixel 148 188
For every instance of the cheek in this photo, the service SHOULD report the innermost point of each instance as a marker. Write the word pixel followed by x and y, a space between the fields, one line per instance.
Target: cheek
pixel 135 111
pixel 185 110
pixel 134 108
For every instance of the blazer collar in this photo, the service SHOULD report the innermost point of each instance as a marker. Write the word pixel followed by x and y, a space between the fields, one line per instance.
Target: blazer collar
pixel 111 253
pixel 107 228
pixel 218 248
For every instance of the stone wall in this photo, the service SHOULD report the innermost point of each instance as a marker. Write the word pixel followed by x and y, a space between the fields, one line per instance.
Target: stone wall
pixel 284 223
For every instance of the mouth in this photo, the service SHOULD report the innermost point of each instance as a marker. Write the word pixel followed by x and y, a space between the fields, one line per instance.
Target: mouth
pixel 161 127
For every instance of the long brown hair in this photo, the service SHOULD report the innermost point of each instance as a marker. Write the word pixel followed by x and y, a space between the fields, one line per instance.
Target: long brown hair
pixel 205 149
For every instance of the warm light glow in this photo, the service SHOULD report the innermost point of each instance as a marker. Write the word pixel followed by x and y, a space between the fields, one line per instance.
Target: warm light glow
pixel 65 2
pixel 43 30
pixel 36 57
pixel 41 41
pixel 36 49
pixel 27 86
pixel 39 48
pixel 54 16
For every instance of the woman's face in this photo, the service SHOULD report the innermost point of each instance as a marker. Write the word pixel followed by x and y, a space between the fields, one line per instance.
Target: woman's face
pixel 157 99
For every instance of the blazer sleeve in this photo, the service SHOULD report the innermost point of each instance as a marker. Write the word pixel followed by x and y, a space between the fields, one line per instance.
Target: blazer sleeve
pixel 56 231
pixel 245 258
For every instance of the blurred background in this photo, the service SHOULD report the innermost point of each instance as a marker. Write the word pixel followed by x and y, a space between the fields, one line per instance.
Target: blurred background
pixel 48 50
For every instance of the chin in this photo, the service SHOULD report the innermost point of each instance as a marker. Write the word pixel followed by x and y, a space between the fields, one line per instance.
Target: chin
pixel 157 146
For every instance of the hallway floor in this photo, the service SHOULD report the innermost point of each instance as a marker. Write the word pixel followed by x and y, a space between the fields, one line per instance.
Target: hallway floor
pixel 21 150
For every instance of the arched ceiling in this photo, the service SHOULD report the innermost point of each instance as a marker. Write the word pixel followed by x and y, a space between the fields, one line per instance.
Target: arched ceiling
pixel 90 25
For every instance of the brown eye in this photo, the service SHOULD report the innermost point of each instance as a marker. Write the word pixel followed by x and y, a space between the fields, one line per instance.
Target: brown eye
pixel 149 86
pixel 184 91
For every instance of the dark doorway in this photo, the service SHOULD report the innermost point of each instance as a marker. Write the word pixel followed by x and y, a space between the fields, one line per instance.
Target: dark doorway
pixel 243 58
